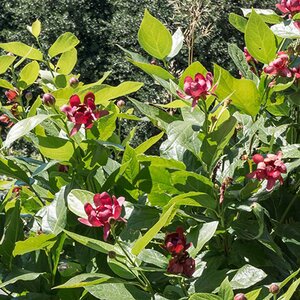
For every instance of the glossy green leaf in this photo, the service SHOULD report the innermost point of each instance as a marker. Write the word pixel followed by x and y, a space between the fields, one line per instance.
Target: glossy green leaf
pixel 5 62
pixel 291 290
pixel 214 143
pixel 38 242
pixel 132 168
pixel 67 62
pixel 23 277
pixel 29 74
pixel 142 242
pixel 23 50
pixel 245 95
pixel 142 148
pixel 192 70
pixel 64 43
pixel 153 70
pixel 267 15
pixel 161 162
pixel 253 295
pixel 246 277
pixel 177 43
pixel 153 257
pixel 204 296
pixel 286 30
pixel 91 243
pixel 35 28
pixel 76 200
pixel 225 291
pixel 5 84
pixel 114 92
pixel 120 269
pixel 238 22
pixel 260 40
pixel 154 37
pixel 23 127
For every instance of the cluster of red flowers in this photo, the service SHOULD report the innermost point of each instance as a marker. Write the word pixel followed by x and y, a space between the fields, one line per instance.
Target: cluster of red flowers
pixel 269 168
pixel 198 88
pixel 290 8
pixel 82 113
pixel 280 66
pixel 12 97
pixel 181 263
pixel 104 210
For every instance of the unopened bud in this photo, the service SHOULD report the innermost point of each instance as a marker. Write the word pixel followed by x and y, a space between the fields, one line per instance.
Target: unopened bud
pixel 112 254
pixel 240 296
pixel 153 62
pixel 74 82
pixel 28 96
pixel 48 99
pixel 121 103
pixel 274 288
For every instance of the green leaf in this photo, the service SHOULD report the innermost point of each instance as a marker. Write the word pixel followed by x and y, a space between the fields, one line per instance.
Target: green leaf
pixel 5 84
pixel 142 148
pixel 267 15
pixel 12 232
pixel 246 277
pixel 91 243
pixel 36 104
pixel 83 280
pixel 152 69
pixel 238 57
pixel 117 291
pixel 35 28
pixel 291 290
pixel 286 30
pixel 133 166
pixel 245 93
pixel 157 116
pixel 260 40
pixel 177 43
pixel 205 233
pixel 39 242
pixel 175 104
pixel 225 291
pixel 192 70
pixel 24 277
pixel 120 269
pixel 64 43
pixel 29 75
pixel 153 257
pixel 204 296
pixel 154 37
pixel 238 22
pixel 142 242
pixel 67 62
pixel 113 92
pixel 5 62
pixel 161 162
pixel 22 128
pixel 76 200
pixel 253 295
pixel 11 169
pixel 23 50
pixel 214 143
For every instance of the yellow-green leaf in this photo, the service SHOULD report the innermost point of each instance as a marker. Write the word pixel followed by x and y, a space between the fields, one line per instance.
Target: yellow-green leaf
pixel 29 74
pixel 23 50
pixel 67 62
pixel 64 43
pixel 5 62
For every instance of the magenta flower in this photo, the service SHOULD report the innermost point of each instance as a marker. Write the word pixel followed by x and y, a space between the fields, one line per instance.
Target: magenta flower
pixel 82 113
pixel 269 168
pixel 279 67
pixel 104 210
pixel 198 88
pixel 249 57
pixel 182 264
pixel 175 242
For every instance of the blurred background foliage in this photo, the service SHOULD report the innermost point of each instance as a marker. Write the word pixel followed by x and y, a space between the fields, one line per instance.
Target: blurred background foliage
pixel 102 24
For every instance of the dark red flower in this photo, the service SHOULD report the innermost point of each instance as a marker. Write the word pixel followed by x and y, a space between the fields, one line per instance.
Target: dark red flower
pixel 175 242
pixel 104 210
pixel 82 113
pixel 198 88
pixel 182 264
pixel 48 99
pixel 63 168
pixel 5 119
pixel 269 168
pixel 280 66
pixel 11 95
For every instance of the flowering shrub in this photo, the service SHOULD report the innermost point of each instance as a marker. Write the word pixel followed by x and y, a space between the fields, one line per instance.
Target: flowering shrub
pixel 216 175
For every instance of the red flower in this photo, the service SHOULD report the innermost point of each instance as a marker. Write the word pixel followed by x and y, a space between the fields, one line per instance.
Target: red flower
pixel 289 6
pixel 249 57
pixel 182 264
pixel 197 88
pixel 82 113
pixel 104 210
pixel 11 95
pixel 279 67
pixel 6 120
pixel 175 242
pixel 269 168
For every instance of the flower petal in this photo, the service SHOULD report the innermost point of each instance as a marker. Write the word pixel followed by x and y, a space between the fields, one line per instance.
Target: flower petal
pixel 74 100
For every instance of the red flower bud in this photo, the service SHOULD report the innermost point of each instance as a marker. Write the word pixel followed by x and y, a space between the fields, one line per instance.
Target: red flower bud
pixel 240 296
pixel 48 99
pixel 274 288
pixel 121 103
pixel 74 82
pixel 182 264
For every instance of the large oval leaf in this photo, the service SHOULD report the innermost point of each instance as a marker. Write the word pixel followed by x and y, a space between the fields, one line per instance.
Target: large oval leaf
pixel 64 43
pixel 76 200
pixel 22 50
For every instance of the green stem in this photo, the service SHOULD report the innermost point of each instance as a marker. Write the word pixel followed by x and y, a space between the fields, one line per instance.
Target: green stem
pixel 46 58
pixel 183 286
